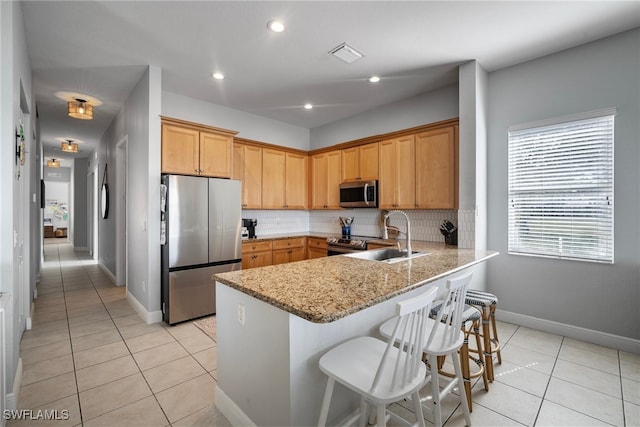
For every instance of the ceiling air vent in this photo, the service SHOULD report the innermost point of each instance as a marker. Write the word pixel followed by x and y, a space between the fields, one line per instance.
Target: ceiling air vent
pixel 346 53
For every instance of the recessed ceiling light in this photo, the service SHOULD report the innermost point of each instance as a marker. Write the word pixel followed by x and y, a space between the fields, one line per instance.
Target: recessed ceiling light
pixel 374 79
pixel 276 26
pixel 217 76
pixel 308 106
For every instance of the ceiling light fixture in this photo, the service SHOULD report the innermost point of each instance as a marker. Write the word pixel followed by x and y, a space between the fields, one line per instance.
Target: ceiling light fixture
pixel 80 109
pixel 217 76
pixel 275 26
pixel 308 106
pixel 347 53
pixel 374 79
pixel 53 163
pixel 69 146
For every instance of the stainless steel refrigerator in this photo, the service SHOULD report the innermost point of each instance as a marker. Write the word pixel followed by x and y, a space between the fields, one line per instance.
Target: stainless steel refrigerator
pixel 201 221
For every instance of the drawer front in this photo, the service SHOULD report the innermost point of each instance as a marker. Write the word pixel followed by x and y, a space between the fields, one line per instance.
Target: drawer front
pixel 256 259
pixel 250 247
pixel 315 242
pixel 289 243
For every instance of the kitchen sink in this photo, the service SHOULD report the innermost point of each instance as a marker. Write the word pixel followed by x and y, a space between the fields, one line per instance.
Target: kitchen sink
pixel 387 255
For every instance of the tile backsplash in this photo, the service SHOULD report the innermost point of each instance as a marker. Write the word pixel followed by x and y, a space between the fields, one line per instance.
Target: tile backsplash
pixel 425 224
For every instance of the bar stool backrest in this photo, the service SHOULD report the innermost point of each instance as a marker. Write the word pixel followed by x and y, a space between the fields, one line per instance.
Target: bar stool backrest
pixel 448 320
pixel 400 365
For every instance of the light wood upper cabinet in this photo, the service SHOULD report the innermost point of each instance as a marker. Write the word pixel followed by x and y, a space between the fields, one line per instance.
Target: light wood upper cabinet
pixel 325 180
pixel 360 163
pixel 215 154
pixel 273 179
pixel 284 180
pixel 397 173
pixel 189 149
pixel 247 167
pixel 437 169
pixel 180 150
pixel 296 181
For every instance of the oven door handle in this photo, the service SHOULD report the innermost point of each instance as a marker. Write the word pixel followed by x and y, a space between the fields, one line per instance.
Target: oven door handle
pixel 339 250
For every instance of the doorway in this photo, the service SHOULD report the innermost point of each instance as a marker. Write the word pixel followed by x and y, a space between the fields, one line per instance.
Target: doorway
pixel 121 211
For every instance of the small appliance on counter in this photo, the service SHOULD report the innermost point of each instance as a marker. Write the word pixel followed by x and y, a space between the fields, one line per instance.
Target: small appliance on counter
pixel 250 224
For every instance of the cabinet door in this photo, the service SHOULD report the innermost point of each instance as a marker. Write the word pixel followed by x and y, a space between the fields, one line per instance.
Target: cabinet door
pixel 215 155
pixel 397 173
pixel 273 179
pixel 256 259
pixel 180 148
pixel 252 182
pixel 405 173
pixel 296 181
pixel 281 256
pixel 387 178
pixel 437 169
pixel 334 170
pixel 350 167
pixel 238 164
pixel 313 253
pixel 319 181
pixel 368 161
pixel 297 254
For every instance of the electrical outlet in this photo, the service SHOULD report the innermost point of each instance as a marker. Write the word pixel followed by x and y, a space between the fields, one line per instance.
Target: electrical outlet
pixel 241 314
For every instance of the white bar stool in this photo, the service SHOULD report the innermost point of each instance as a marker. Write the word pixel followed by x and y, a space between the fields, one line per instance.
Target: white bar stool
pixel 445 338
pixel 377 370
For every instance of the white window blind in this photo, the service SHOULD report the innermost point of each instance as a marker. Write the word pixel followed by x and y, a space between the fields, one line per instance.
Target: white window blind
pixel 561 188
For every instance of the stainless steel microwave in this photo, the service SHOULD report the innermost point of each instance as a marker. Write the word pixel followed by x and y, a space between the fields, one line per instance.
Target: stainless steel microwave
pixel 359 194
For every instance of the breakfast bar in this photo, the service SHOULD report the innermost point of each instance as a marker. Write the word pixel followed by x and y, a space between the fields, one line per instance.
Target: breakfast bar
pixel 274 323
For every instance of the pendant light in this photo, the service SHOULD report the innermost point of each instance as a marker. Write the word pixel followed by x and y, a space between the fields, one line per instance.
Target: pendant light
pixel 53 163
pixel 69 146
pixel 80 109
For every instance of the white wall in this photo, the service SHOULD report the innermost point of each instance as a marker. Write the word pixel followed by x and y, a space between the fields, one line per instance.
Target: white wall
pixel 15 95
pixel 599 297
pixel 80 205
pixel 139 121
pixel 247 125
pixel 430 107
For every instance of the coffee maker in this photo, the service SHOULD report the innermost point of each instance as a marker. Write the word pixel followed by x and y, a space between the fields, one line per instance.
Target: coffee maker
pixel 250 224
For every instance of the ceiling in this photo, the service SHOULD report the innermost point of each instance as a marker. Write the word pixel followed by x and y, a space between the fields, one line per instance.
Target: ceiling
pixel 102 48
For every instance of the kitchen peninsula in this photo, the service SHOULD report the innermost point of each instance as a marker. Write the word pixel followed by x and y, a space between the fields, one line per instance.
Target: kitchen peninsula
pixel 275 322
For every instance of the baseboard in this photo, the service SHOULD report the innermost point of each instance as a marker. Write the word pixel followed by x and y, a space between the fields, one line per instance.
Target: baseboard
pixel 605 339
pixel 81 248
pixel 148 316
pixel 229 409
pixel 13 398
pixel 107 272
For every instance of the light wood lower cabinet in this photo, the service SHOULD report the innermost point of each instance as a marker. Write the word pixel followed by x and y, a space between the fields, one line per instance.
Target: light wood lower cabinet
pixel 378 246
pixel 289 250
pixel 271 252
pixel 256 254
pixel 316 247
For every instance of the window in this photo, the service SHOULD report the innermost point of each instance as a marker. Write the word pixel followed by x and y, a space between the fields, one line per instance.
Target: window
pixel 561 188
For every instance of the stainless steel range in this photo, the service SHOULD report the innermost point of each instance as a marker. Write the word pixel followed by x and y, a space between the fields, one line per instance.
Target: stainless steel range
pixel 338 245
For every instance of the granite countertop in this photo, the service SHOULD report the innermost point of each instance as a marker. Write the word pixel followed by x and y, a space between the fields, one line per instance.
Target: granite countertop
pixel 326 289
pixel 267 237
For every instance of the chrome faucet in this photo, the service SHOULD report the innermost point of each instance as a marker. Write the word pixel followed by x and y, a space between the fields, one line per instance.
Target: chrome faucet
pixel 385 232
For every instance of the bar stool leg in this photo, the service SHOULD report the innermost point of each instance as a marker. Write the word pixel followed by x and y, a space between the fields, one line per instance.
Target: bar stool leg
pixel 495 340
pixel 488 355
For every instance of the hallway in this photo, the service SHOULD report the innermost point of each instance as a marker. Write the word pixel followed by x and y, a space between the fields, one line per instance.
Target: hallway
pixel 89 355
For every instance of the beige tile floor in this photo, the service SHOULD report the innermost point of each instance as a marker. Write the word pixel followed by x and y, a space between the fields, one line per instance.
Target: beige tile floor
pixel 91 354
